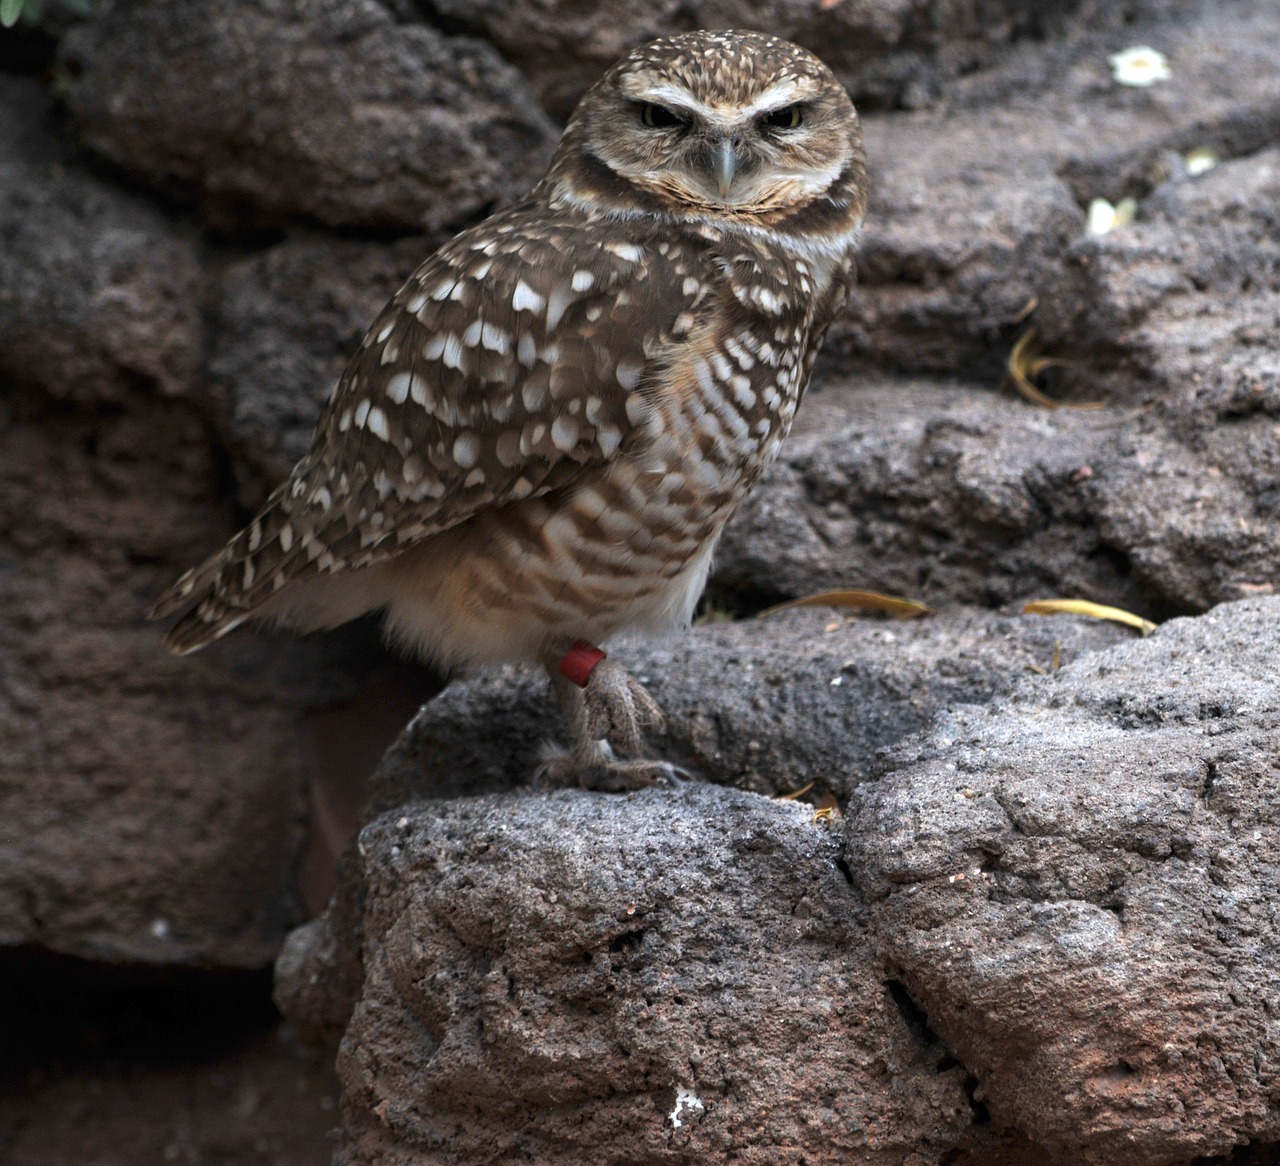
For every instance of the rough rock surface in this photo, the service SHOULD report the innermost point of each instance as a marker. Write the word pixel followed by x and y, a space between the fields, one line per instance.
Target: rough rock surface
pixel 886 51
pixel 586 978
pixel 768 705
pixel 150 810
pixel 1077 887
pixel 286 322
pixel 174 305
pixel 328 109
pixel 977 199
pixel 1066 893
pixel 99 291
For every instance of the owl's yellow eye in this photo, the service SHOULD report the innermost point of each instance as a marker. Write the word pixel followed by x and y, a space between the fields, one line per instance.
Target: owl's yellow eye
pixel 789 117
pixel 660 117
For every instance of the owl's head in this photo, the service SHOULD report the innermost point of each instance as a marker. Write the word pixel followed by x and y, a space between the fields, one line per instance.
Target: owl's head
pixel 734 125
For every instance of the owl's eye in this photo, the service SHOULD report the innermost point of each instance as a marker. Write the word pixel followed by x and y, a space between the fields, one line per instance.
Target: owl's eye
pixel 789 117
pixel 660 117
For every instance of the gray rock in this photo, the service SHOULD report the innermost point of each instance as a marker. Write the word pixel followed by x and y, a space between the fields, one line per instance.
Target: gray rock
pixel 935 490
pixel 286 323
pixel 768 705
pixel 976 201
pixel 670 976
pixel 151 809
pixel 99 291
pixel 1163 500
pixel 1077 886
pixel 330 110
pixel 887 52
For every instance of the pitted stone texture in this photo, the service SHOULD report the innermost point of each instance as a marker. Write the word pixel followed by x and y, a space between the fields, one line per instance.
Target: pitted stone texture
pixel 286 322
pixel 151 809
pixel 948 492
pixel 886 51
pixel 99 291
pixel 976 201
pixel 1077 886
pixel 768 705
pixel 665 977
pixel 267 110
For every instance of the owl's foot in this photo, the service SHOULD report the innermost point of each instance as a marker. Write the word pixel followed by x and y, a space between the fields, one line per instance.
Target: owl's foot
pixel 605 708
pixel 606 772
pixel 617 708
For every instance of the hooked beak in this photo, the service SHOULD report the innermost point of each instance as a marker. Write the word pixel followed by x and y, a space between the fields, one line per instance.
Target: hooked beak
pixel 724 165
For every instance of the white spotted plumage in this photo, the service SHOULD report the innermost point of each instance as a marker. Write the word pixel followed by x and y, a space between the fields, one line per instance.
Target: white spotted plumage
pixel 544 432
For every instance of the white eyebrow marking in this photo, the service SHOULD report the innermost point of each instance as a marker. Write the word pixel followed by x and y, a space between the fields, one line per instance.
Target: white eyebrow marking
pixel 776 96
pixel 641 87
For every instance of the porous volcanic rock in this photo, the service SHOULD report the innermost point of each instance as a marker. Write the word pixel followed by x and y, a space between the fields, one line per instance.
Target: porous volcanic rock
pixel 1163 500
pixel 672 976
pixel 976 200
pixel 1077 885
pixel 286 322
pixel 99 291
pixel 330 109
pixel 769 705
pixel 151 809
pixel 886 51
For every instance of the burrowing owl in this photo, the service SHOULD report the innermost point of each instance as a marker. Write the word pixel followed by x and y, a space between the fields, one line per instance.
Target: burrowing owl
pixel 545 431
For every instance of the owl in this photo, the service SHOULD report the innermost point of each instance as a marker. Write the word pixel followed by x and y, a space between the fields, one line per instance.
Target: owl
pixel 545 431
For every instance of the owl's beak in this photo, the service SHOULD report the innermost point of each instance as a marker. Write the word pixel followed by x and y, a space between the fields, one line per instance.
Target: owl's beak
pixel 724 165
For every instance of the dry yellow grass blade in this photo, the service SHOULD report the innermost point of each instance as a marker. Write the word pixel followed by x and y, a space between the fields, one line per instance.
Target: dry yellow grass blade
pixel 827 810
pixel 797 793
pixel 1092 610
pixel 862 600
pixel 1025 363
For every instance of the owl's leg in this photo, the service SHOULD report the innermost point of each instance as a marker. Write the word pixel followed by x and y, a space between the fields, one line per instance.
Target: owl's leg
pixel 602 704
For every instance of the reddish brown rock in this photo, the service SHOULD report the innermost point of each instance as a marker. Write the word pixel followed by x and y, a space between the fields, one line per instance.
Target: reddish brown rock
pixel 330 110
pixel 667 977
pixel 1077 888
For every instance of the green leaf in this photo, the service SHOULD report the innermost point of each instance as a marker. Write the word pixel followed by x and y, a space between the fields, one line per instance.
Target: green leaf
pixel 10 10
pixel 79 7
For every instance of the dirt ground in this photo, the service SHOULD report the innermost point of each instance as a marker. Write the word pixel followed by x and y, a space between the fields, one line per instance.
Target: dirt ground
pixel 193 1069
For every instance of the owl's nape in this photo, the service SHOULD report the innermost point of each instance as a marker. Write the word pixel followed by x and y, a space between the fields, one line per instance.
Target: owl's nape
pixel 544 433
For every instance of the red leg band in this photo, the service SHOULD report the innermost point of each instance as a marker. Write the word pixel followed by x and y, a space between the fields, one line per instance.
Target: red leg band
pixel 577 663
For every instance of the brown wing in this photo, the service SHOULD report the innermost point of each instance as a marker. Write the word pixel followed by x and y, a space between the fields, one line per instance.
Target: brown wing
pixel 513 358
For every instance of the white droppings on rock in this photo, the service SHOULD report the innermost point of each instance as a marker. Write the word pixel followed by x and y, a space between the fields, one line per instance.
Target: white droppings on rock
pixel 688 1105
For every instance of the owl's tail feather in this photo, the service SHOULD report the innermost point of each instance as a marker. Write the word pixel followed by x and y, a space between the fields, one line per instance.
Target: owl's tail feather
pixel 221 591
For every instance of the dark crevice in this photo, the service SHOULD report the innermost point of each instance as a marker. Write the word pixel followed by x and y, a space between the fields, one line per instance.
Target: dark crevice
pixel 724 599
pixel 914 1016
pixel 845 869
pixel 67 1009
pixel 628 941
pixel 981 1115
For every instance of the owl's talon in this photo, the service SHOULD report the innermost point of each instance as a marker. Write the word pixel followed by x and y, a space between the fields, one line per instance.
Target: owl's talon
pixel 617 708
pixel 609 712
pixel 607 773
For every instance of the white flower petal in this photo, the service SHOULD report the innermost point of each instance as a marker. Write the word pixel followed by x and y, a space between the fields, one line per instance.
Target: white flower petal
pixel 1140 66
pixel 1199 161
pixel 1102 217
